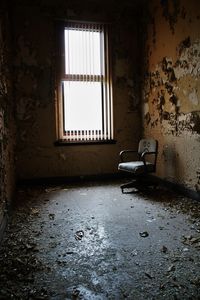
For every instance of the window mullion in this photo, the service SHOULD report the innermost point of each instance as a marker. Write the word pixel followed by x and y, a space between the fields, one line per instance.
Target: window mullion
pixel 103 85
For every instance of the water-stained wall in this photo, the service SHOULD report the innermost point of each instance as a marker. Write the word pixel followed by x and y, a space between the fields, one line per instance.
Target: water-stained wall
pixel 171 94
pixel 7 133
pixel 35 63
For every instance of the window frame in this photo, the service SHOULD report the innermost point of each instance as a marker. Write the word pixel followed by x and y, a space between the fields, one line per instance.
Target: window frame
pixel 61 76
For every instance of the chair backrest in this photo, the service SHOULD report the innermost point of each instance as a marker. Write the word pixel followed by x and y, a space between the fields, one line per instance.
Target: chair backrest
pixel 147 145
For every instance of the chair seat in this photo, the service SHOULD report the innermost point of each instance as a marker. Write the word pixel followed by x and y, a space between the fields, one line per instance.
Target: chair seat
pixel 136 167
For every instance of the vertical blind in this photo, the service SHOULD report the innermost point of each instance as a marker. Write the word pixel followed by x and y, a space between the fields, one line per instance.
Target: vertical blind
pixel 86 84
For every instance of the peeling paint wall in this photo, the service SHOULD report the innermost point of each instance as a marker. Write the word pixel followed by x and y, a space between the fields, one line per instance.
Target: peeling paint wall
pixel 35 62
pixel 7 132
pixel 171 95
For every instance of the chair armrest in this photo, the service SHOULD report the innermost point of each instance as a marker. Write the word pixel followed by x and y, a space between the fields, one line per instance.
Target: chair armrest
pixel 146 153
pixel 124 152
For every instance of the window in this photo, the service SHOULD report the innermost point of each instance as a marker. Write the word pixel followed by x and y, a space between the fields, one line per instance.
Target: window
pixel 85 88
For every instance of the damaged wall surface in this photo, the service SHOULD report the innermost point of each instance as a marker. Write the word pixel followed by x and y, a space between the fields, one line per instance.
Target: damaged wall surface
pixel 171 96
pixel 35 63
pixel 7 133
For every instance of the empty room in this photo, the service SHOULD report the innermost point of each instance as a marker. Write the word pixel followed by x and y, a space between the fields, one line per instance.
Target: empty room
pixel 99 149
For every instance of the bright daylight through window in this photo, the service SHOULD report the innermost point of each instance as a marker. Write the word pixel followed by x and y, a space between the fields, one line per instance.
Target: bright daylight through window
pixel 86 91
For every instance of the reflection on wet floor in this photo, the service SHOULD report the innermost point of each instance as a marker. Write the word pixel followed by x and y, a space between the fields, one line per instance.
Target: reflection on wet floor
pixel 90 241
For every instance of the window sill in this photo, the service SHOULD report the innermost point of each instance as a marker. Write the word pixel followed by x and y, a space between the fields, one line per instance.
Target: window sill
pixel 78 143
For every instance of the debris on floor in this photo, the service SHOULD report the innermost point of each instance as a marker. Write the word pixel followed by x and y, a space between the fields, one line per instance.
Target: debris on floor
pixel 51 216
pixel 191 240
pixel 164 249
pixel 41 258
pixel 79 235
pixel 144 234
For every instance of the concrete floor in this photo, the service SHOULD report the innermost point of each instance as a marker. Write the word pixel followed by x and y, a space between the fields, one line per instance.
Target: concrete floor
pixel 90 241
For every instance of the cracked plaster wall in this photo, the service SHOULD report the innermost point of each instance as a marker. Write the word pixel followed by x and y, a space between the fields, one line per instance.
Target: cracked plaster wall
pixel 34 35
pixel 7 129
pixel 171 94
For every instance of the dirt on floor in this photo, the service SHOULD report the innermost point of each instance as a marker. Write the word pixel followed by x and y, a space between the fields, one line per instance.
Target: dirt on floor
pixel 90 241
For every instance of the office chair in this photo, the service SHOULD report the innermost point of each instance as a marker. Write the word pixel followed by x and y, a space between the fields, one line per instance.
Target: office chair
pixel 141 167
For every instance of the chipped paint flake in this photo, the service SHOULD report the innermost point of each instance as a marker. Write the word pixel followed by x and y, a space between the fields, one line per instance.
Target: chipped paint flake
pixel 146 108
pixel 188 62
pixel 62 156
pixel 193 97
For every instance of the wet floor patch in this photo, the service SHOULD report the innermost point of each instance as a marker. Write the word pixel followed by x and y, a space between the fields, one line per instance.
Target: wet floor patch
pixel 90 241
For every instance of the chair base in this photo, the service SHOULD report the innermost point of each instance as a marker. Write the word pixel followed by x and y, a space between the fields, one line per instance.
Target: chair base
pixel 138 184
pixel 131 184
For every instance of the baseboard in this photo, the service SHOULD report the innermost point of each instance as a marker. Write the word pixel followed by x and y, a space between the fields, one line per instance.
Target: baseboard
pixel 3 224
pixel 179 188
pixel 6 213
pixel 70 179
pixel 75 179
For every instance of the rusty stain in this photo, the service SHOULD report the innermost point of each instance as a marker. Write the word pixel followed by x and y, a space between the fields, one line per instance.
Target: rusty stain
pixel 173 99
pixel 195 119
pixel 186 43
pixel 171 11
pixel 147 118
